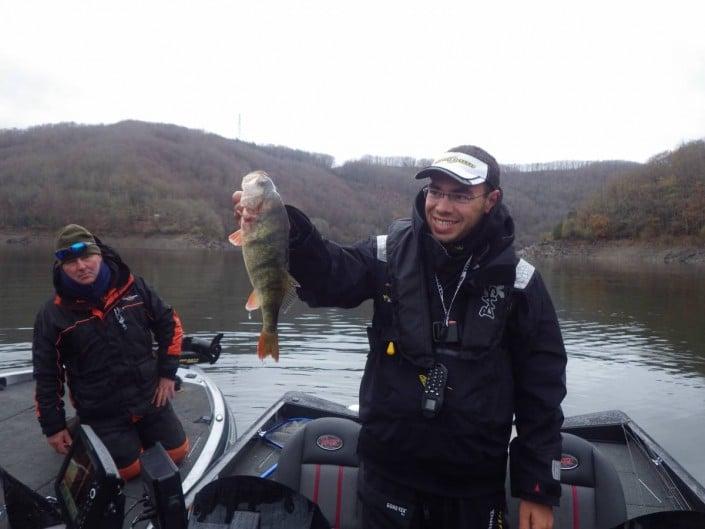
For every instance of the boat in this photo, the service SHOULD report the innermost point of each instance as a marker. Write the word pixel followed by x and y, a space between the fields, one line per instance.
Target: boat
pixel 613 473
pixel 296 467
pixel 205 416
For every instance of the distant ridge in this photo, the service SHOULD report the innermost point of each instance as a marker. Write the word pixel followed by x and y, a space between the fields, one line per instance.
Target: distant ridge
pixel 149 179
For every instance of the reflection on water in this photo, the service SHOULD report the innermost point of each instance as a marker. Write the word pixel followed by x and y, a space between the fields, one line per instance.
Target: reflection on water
pixel 633 333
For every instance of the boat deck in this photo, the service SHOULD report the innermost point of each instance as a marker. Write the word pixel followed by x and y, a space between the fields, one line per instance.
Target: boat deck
pixel 651 481
pixel 25 454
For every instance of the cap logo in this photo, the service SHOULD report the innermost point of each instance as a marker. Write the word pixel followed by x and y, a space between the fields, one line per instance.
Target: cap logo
pixel 329 442
pixel 454 159
pixel 468 168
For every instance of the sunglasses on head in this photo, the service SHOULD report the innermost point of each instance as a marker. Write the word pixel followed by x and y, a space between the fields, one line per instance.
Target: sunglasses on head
pixel 75 250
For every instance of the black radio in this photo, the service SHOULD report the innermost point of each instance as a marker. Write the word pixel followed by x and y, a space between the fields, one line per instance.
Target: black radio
pixel 434 389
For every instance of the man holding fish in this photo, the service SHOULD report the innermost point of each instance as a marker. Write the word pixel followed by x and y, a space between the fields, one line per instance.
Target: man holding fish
pixel 464 337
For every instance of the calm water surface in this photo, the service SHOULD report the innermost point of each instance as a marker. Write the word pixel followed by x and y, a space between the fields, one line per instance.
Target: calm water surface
pixel 634 335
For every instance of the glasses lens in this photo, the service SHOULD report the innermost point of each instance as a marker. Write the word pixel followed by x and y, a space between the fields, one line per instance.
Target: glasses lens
pixel 74 250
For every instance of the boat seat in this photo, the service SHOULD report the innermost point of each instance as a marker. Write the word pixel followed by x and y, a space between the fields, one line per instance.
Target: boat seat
pixel 320 461
pixel 591 492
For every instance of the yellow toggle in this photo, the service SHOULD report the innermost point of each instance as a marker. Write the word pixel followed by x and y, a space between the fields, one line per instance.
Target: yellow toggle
pixel 390 349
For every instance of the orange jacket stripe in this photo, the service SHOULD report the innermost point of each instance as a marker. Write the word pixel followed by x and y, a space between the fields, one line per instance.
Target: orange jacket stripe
pixel 114 294
pixel 175 345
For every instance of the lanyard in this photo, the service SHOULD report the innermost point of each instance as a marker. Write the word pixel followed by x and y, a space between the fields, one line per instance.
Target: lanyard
pixel 446 311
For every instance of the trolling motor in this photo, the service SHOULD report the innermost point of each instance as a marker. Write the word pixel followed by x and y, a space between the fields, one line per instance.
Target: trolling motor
pixel 195 350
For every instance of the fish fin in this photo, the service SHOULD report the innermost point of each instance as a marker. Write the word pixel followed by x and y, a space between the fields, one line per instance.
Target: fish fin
pixel 235 238
pixel 268 345
pixel 252 302
pixel 290 295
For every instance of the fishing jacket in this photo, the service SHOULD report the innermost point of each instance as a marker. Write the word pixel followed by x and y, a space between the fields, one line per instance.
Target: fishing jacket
pixel 509 360
pixel 104 353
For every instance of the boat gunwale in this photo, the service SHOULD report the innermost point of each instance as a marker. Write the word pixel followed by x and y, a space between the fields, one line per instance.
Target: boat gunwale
pixel 217 443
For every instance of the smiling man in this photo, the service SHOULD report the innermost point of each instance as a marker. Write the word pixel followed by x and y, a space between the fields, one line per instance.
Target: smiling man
pixel 96 335
pixel 463 338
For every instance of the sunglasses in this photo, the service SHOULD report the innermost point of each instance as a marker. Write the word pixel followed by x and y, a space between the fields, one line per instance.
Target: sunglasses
pixel 75 250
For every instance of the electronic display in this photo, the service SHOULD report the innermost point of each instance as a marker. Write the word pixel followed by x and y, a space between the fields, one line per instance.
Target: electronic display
pixel 76 486
pixel 88 484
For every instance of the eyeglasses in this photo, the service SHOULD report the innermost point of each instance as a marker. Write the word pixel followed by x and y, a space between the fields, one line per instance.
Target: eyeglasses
pixel 71 252
pixel 457 198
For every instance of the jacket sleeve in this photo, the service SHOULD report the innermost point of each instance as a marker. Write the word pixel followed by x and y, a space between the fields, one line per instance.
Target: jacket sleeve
pixel 49 376
pixel 538 363
pixel 330 275
pixel 166 326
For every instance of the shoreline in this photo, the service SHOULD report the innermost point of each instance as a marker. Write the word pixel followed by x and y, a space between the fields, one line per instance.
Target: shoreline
pixel 607 251
pixel 25 239
pixel 652 252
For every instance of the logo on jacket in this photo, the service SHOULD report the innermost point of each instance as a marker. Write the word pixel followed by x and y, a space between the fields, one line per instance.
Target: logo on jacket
pixel 397 508
pixel 489 298
pixel 329 442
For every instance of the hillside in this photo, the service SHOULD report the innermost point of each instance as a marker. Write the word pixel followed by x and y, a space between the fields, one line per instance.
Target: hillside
pixel 662 200
pixel 136 178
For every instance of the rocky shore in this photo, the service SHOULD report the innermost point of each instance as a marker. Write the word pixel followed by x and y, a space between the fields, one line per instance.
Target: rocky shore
pixel 616 251
pixel 156 242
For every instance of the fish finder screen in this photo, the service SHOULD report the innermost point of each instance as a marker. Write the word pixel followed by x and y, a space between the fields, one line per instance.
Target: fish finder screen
pixel 76 485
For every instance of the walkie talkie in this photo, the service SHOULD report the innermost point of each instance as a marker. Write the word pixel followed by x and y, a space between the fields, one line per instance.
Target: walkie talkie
pixel 432 398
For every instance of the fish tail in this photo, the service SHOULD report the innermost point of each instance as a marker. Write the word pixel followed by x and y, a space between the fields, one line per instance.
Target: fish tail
pixel 268 345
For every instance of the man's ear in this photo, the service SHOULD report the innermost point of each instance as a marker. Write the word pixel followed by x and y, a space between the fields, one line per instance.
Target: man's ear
pixel 492 199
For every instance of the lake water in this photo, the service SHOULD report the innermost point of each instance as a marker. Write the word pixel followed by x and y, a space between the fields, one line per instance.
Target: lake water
pixel 634 336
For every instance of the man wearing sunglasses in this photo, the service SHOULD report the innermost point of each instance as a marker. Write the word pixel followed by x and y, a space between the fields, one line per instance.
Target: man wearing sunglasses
pixel 96 335
pixel 463 337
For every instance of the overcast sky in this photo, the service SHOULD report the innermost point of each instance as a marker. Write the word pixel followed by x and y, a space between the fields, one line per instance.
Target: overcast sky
pixel 530 81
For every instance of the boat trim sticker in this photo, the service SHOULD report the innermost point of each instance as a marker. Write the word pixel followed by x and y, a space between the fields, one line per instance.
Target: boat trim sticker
pixel 329 442
pixel 569 462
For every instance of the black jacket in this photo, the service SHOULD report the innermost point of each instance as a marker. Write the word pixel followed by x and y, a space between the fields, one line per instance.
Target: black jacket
pixel 510 358
pixel 104 353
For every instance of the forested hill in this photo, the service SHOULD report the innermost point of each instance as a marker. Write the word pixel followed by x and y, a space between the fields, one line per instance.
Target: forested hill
pixel 154 179
pixel 663 199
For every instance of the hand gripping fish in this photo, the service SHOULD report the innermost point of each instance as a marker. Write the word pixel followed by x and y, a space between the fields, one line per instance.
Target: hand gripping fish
pixel 264 237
